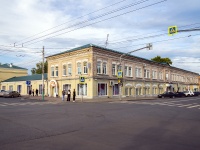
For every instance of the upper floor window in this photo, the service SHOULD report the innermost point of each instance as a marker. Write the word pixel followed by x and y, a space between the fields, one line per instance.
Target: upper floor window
pixel 154 74
pixel 160 75
pixel 56 70
pixel 98 67
pixel 104 68
pixel 79 68
pixel 138 72
pixel 69 69
pixel 85 67
pixel 64 70
pixel 113 69
pixel 52 71
pixel 130 71
pixel 126 70
pixel 146 73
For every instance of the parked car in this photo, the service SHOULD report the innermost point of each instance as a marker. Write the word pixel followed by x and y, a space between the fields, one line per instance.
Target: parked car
pixel 11 94
pixel 167 94
pixel 180 94
pixel 2 92
pixel 196 93
pixel 188 93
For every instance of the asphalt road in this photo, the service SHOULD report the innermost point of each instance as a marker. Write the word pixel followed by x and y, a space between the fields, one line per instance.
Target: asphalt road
pixel 161 124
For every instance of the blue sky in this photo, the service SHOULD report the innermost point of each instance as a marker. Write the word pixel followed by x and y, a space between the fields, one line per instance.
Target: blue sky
pixel 26 21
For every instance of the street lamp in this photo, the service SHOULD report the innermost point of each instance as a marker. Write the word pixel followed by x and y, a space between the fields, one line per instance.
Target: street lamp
pixel 148 47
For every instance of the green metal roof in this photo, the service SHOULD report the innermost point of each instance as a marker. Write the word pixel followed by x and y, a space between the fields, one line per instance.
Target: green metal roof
pixel 11 66
pixel 27 78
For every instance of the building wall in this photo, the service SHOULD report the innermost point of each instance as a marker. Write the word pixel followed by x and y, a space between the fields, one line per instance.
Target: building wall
pixel 6 73
pixel 133 85
pixel 24 88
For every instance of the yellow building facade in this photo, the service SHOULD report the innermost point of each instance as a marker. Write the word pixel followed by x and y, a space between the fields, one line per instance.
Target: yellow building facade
pixel 9 70
pixel 24 84
pixel 100 67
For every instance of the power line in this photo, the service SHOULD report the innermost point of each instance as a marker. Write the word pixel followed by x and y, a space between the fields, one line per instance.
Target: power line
pixel 95 22
pixel 72 20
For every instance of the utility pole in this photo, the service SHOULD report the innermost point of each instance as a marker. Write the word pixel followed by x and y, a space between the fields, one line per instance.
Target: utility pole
pixel 106 43
pixel 43 73
pixel 120 72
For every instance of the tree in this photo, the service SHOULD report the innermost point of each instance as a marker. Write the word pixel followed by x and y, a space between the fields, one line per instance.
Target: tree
pixel 162 60
pixel 38 69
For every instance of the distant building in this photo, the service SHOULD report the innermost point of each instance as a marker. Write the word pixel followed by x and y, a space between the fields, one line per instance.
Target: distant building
pixel 9 70
pixel 25 83
pixel 99 66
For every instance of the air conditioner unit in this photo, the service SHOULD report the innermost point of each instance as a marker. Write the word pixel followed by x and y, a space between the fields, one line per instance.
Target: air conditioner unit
pixel 111 83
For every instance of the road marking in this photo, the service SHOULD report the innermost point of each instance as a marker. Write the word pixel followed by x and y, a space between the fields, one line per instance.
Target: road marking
pixel 193 106
pixel 186 105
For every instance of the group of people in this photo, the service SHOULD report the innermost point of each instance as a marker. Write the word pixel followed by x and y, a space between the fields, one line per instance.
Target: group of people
pixel 32 92
pixel 68 93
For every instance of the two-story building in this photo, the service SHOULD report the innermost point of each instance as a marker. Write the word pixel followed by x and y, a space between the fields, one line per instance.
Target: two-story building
pixel 99 66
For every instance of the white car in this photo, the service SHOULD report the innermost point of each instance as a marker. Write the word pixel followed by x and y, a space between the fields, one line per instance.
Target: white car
pixel 188 93
pixel 2 93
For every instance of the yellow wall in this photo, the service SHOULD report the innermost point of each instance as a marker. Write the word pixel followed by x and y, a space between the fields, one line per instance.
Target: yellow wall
pixel 6 73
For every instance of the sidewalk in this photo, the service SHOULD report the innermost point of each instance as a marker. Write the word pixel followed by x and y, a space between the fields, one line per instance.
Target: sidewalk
pixel 59 99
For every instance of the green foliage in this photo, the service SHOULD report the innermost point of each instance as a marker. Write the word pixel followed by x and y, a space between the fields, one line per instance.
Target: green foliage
pixel 162 60
pixel 38 69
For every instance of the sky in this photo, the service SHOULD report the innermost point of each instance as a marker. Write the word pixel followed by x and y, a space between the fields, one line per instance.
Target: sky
pixel 59 25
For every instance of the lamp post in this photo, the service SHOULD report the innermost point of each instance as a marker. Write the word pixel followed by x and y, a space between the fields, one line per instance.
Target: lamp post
pixel 148 47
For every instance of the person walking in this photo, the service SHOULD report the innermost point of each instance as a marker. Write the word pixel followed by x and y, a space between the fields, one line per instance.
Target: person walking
pixel 74 95
pixel 36 91
pixel 68 95
pixel 33 92
pixel 63 95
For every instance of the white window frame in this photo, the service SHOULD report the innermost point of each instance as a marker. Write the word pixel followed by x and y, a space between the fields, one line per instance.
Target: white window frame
pixel 99 67
pixel 154 74
pixel 146 73
pixel 52 71
pixel 85 67
pixel 69 68
pixel 104 68
pixel 64 70
pixel 138 72
pixel 113 69
pixel 56 71
pixel 79 68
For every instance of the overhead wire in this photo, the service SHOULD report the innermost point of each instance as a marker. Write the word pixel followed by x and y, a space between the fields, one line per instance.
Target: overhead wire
pixel 97 22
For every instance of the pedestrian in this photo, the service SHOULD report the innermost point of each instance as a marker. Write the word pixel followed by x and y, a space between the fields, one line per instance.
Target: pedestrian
pixel 36 91
pixel 74 95
pixel 68 95
pixel 33 92
pixel 63 95
pixel 30 92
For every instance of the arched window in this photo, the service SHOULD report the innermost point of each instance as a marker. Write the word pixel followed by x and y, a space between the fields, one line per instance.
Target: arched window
pixel 85 67
pixel 79 68
pixel 98 67
pixel 64 70
pixel 104 68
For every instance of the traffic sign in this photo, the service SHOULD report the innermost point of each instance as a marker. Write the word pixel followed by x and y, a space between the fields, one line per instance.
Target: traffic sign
pixel 28 82
pixel 119 74
pixel 172 30
pixel 82 79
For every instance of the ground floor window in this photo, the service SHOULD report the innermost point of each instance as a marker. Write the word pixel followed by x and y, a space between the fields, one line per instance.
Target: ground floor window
pixel 102 89
pixel 161 90
pixel 116 89
pixel 154 90
pixel 126 91
pixel 67 87
pixel 28 89
pixel 81 89
pixel 19 88
pixel 146 91
pixel 130 91
pixel 4 88
pixel 10 88
pixel 139 91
